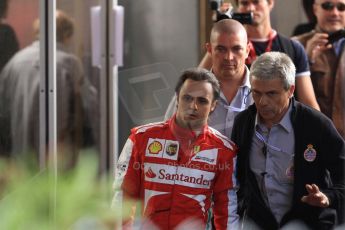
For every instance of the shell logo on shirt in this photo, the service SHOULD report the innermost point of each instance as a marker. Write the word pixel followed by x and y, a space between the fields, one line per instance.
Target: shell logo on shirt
pixel 155 147
pixel 162 148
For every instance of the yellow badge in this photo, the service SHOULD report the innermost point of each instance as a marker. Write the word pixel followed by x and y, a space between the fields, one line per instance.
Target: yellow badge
pixel 155 147
pixel 196 149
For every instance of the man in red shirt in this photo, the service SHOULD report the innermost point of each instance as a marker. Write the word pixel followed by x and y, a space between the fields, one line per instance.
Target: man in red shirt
pixel 177 168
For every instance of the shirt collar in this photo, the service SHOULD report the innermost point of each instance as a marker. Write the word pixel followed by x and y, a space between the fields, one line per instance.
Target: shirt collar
pixel 245 83
pixel 286 121
pixel 182 133
pixel 59 45
pixel 274 34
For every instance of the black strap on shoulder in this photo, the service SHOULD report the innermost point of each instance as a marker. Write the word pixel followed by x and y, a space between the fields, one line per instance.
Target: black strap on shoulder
pixel 287 46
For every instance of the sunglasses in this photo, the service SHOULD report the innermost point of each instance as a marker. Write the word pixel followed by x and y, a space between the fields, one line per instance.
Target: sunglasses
pixel 330 6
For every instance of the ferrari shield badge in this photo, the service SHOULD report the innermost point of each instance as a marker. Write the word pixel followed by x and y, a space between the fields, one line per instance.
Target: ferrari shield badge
pixel 196 149
pixel 310 153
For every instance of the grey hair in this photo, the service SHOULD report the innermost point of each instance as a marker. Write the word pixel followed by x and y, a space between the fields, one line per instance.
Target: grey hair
pixel 274 65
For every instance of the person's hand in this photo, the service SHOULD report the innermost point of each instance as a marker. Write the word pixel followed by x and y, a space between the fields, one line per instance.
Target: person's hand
pixel 315 197
pixel 316 45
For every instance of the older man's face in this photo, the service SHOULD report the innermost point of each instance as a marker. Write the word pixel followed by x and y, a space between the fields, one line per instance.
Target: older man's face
pixel 330 14
pixel 271 99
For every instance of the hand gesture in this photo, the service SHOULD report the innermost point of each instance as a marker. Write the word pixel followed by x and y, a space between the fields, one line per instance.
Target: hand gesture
pixel 316 45
pixel 315 197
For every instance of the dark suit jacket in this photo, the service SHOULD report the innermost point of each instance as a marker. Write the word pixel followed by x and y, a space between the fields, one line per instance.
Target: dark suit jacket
pixel 326 171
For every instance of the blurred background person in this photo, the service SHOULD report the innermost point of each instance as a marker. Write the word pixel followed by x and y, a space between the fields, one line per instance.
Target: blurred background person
pixel 228 50
pixel 263 38
pixel 324 55
pixel 8 39
pixel 19 98
pixel 308 26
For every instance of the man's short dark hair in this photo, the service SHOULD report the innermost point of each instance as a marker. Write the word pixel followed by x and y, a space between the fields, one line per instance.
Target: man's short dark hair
pixel 199 74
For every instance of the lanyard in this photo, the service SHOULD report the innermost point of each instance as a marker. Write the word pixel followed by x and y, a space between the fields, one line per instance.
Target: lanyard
pixel 252 53
pixel 233 108
pixel 262 139
pixel 245 93
pixel 266 144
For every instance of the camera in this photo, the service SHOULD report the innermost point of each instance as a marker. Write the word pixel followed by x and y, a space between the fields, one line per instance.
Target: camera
pixel 335 36
pixel 244 18
pixel 220 13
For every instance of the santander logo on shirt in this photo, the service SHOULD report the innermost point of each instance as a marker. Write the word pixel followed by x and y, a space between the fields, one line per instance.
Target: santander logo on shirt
pixel 181 177
pixel 150 173
pixel 167 174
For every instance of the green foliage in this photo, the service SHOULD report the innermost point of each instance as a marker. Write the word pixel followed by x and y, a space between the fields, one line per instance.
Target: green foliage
pixel 77 199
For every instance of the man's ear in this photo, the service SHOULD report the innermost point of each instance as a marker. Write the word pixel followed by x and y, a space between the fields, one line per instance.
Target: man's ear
pixel 213 106
pixel 271 4
pixel 177 98
pixel 315 9
pixel 291 91
pixel 208 47
pixel 248 49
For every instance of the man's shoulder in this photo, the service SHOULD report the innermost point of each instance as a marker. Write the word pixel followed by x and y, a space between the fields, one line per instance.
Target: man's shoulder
pixel 282 36
pixel 149 128
pixel 303 38
pixel 244 119
pixel 26 57
pixel 295 50
pixel 220 139
pixel 286 43
pixel 313 124
pixel 6 29
pixel 250 111
pixel 28 52
pixel 309 115
pixel 64 58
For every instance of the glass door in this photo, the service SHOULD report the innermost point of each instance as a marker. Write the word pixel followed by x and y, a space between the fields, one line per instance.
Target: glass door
pixel 79 106
pixel 54 110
